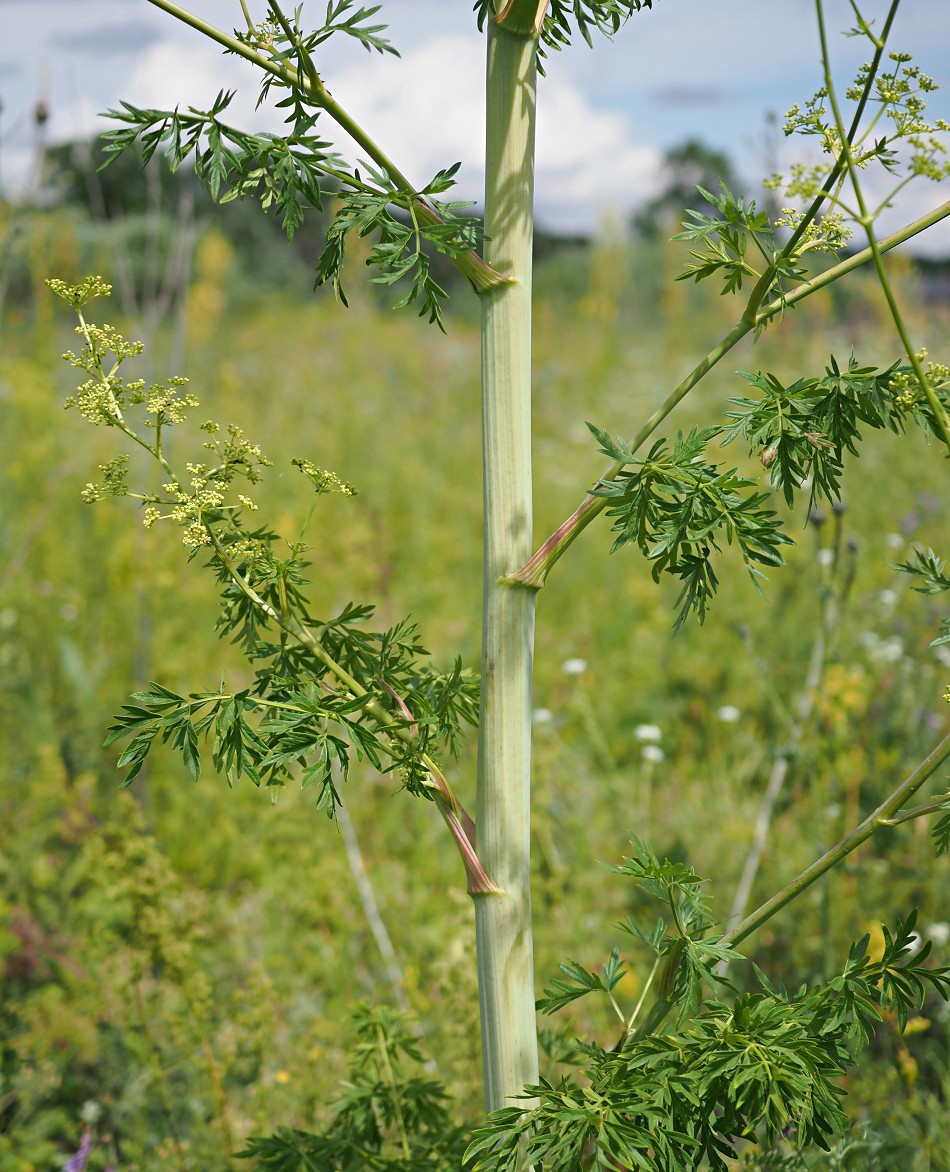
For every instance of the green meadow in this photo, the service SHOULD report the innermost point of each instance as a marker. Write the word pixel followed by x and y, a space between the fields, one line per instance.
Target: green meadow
pixel 180 962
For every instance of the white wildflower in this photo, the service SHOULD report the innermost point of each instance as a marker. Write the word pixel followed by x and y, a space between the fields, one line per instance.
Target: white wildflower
pixel 938 932
pixel 574 667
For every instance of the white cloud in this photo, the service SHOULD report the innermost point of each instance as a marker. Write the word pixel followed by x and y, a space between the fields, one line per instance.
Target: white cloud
pixel 589 163
pixel 423 109
pixel 603 119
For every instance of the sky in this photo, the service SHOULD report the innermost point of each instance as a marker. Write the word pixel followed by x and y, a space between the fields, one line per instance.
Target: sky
pixel 706 69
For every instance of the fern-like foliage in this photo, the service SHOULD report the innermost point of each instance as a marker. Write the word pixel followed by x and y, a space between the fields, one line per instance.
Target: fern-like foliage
pixel 324 686
pixel 941 831
pixel 765 1067
pixel 300 171
pixel 802 431
pixel 676 507
pixel 930 569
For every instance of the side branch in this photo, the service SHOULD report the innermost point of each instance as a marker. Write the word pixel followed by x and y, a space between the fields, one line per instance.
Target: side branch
pixel 480 275
pixel 533 574
pixel 885 816
pixel 460 825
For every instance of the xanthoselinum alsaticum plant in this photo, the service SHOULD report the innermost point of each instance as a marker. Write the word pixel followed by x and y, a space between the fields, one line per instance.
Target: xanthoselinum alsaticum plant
pixel 761 1065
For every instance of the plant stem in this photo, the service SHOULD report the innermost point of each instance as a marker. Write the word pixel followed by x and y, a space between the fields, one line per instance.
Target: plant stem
pixel 806 706
pixel 884 816
pixel 503 920
pixel 385 1064
pixel 534 572
pixel 364 885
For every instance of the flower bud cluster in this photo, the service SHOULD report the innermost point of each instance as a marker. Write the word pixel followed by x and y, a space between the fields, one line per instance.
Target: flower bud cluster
pixel 829 234
pixel 78 295
pixel 164 402
pixel 236 454
pixel 105 395
pixel 322 479
pixel 907 389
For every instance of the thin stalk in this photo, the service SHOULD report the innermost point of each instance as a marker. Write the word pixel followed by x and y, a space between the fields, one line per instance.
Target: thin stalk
pixel 883 816
pixel 469 264
pixel 534 572
pixel 832 602
pixel 503 920
pixel 364 885
pixel 934 807
pixel 779 772
pixel 158 1070
pixel 387 1066
pixel 887 815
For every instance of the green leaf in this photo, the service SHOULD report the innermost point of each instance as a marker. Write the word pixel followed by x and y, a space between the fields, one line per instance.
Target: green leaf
pixel 675 506
pixel 579 983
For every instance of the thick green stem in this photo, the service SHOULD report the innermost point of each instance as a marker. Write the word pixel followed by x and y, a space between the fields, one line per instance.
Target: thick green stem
pixel 503 920
pixel 534 572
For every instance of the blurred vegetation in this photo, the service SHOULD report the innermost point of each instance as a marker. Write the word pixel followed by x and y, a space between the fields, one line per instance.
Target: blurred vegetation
pixel 178 963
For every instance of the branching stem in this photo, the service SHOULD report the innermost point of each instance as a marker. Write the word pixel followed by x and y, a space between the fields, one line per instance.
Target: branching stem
pixel 481 276
pixel 883 816
pixel 533 574
pixel 886 816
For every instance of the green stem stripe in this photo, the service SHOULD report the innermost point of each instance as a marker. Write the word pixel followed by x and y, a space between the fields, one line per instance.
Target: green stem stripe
pixel 503 932
pixel 534 572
